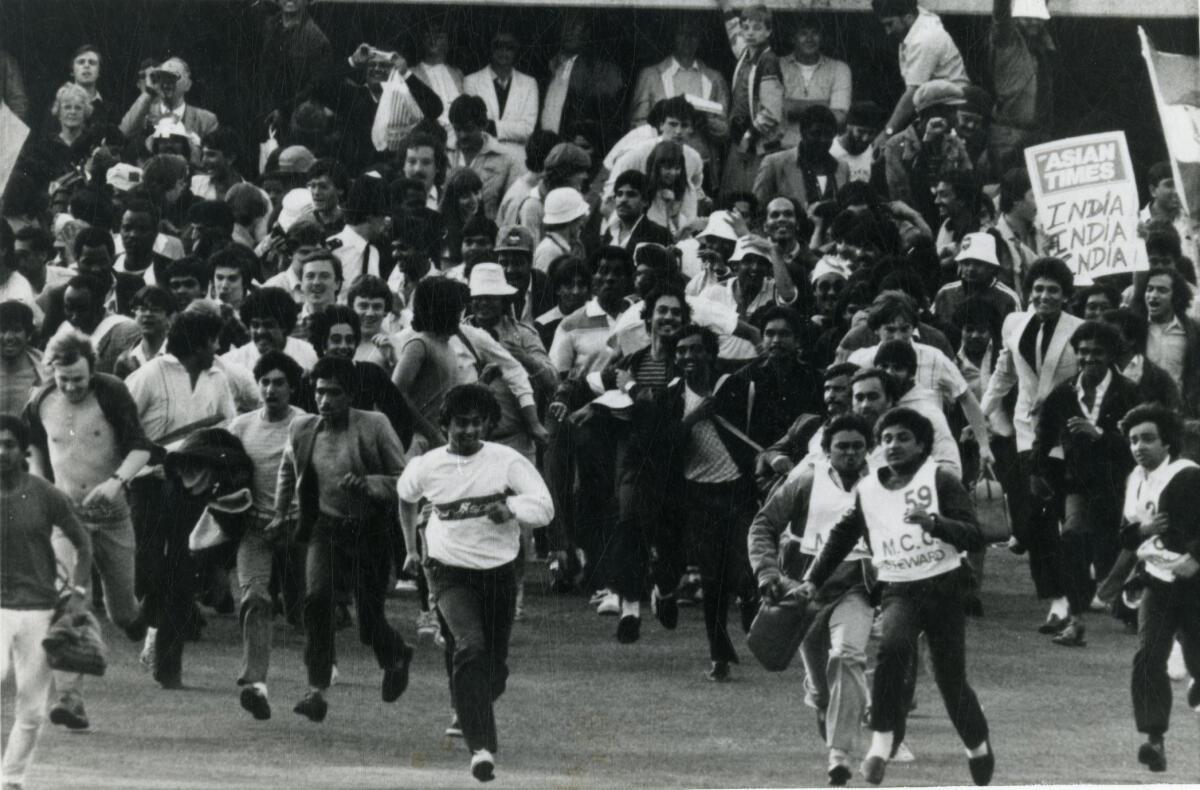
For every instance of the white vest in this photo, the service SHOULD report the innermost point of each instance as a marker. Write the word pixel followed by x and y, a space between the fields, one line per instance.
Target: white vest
pixel 827 503
pixel 904 552
pixel 1142 493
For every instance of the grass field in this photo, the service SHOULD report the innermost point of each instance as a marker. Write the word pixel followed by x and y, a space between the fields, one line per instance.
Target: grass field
pixel 582 711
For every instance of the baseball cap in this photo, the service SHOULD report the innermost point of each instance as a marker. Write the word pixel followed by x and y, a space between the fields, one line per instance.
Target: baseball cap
pixel 296 159
pixel 514 238
pixel 937 92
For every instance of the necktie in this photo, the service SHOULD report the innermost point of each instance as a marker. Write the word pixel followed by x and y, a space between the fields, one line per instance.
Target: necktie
pixel 501 95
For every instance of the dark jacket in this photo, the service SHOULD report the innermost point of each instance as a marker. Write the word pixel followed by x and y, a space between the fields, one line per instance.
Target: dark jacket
pixel 1157 386
pixel 1180 500
pixel 1099 466
pixel 1191 368
pixel 770 401
pixel 647 231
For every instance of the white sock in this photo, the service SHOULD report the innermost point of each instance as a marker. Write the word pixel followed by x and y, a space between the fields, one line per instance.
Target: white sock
pixel 838 757
pixel 631 608
pixel 978 751
pixel 881 745
pixel 1060 608
pixel 261 687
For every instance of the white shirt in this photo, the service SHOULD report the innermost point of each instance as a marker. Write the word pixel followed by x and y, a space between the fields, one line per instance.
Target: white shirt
pixel 288 281
pixel 556 95
pixel 934 370
pixel 353 251
pixel 461 488
pixel 169 406
pixel 1093 414
pixel 442 83
pixel 299 350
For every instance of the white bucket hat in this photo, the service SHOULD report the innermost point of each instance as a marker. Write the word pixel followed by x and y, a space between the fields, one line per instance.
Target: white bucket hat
pixel 487 279
pixel 720 225
pixel 978 247
pixel 564 205
pixel 297 204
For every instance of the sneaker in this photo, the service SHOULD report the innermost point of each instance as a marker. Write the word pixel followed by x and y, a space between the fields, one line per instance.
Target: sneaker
pixel 610 605
pixel 427 624
pixel 455 729
pixel 313 707
pixel 598 596
pixel 1072 635
pixel 395 680
pixel 982 767
pixel 148 655
pixel 903 754
pixel 68 712
pixel 483 765
pixel 872 769
pixel 1176 670
pixel 839 768
pixel 718 672
pixel 665 608
pixel 254 700
pixel 629 629
pixel 1153 755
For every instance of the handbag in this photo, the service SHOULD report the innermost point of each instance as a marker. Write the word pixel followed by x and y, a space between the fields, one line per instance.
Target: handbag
pixel 776 632
pixel 73 643
pixel 991 507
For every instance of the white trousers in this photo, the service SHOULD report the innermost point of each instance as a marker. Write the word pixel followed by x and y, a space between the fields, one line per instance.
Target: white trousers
pixel 21 635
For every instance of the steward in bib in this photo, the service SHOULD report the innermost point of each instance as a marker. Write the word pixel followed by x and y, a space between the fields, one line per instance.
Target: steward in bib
pixel 1162 523
pixel 918 522
pixel 803 510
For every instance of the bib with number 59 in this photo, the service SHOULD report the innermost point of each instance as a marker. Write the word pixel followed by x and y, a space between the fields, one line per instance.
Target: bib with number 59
pixel 903 552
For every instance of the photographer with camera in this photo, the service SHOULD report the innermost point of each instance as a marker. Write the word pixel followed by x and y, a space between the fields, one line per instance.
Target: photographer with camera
pixel 162 96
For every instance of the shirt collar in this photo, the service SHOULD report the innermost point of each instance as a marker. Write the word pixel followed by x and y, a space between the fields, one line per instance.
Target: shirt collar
pixel 1101 388
pixel 593 309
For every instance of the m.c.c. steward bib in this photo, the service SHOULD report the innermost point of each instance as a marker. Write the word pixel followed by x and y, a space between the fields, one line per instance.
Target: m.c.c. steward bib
pixel 904 552
pixel 827 503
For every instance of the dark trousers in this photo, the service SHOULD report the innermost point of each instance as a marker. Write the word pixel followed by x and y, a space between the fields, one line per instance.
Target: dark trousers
pixel 476 610
pixel 1166 610
pixel 1089 538
pixel 935 607
pixel 351 554
pixel 647 531
pixel 718 517
pixel 585 450
pixel 164 516
pixel 1035 524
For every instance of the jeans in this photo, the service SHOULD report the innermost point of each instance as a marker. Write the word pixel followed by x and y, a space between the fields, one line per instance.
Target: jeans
pixel 355 554
pixel 113 557
pixel 935 607
pixel 476 611
pixel 718 516
pixel 1166 609
pixel 1089 538
pixel 163 517
pixel 257 558
pixel 835 665
pixel 21 634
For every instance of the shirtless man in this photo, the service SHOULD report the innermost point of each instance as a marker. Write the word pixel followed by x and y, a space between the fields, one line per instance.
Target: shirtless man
pixel 88 440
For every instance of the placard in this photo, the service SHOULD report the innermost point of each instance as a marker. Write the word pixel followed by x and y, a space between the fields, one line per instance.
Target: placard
pixel 1087 204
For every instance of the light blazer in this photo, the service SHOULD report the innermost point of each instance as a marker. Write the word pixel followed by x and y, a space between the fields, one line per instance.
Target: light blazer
pixel 779 175
pixel 520 111
pixel 1059 365
pixel 376 454
pixel 651 89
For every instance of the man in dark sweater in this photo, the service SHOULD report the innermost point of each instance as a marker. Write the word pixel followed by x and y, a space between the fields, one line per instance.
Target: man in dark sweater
pixel 1078 422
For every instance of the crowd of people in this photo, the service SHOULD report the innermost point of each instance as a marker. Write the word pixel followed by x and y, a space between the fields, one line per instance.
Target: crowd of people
pixel 722 340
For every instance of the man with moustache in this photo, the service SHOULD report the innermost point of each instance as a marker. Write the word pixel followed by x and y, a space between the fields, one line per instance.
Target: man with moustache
pixel 270 314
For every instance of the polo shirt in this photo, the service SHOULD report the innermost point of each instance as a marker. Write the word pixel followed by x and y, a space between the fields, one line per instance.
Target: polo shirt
pixel 170 407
